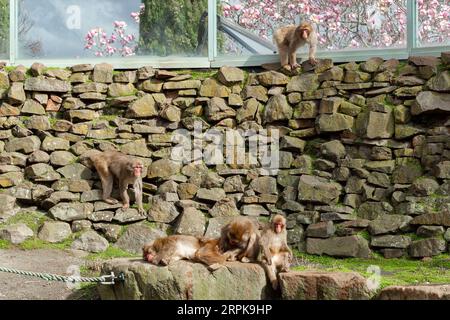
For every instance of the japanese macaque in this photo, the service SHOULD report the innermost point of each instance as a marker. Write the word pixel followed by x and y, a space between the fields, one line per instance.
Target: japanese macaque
pixel 276 256
pixel 241 238
pixel 290 38
pixel 127 170
pixel 211 255
pixel 164 251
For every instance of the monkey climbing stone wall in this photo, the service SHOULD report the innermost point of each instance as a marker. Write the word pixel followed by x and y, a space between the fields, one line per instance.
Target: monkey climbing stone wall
pixel 364 161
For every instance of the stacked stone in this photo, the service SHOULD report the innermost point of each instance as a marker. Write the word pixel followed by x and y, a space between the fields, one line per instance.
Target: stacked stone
pixel 364 153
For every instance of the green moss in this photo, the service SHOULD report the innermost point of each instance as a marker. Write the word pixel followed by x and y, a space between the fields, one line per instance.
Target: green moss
pixel 33 220
pixel 393 271
pixel 4 245
pixel 35 243
pixel 86 291
pixel 10 68
pixel 364 234
pixel 111 253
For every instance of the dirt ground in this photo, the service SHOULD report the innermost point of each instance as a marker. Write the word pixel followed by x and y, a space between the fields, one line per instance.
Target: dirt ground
pixel 61 262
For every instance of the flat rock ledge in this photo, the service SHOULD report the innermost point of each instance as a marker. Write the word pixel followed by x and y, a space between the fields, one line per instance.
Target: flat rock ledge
pixel 185 280
pixel 420 292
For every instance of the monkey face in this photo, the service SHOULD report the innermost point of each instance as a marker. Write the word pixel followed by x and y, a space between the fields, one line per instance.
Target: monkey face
pixel 278 227
pixel 278 224
pixel 149 252
pixel 136 167
pixel 238 239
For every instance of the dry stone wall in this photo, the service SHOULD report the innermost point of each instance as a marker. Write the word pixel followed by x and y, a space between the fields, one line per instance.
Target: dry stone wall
pixel 364 161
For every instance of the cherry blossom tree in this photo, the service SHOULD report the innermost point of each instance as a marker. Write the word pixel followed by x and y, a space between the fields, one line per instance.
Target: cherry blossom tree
pixel 344 23
pixel 118 42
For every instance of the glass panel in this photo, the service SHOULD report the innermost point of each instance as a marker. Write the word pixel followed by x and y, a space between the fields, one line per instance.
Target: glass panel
pixel 110 28
pixel 434 22
pixel 4 29
pixel 342 24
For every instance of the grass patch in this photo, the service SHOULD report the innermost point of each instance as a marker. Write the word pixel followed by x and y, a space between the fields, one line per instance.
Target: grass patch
pixel 86 291
pixel 4 244
pixel 32 220
pixel 200 74
pixel 35 243
pixel 111 253
pixel 393 271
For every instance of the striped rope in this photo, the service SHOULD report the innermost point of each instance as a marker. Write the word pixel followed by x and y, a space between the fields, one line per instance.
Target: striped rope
pixel 106 279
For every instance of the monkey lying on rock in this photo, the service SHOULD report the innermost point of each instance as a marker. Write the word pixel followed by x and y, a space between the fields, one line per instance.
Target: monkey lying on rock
pixel 239 240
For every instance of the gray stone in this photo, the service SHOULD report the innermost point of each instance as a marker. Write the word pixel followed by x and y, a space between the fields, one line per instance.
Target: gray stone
pixel 41 172
pixel 214 194
pixel 391 241
pixel 54 231
pixel 192 222
pixel 103 73
pixel 254 210
pixel 388 223
pixel 372 210
pixel 76 171
pixel 136 236
pixel 265 185
pixel 225 207
pixel 435 218
pixel 426 247
pixel 431 102
pixel 224 283
pixel 316 189
pixel 303 83
pixel 128 215
pixel 47 85
pixel 16 233
pixel 230 75
pixel 162 211
pixel 418 292
pixel 163 169
pixel 320 285
pixel 350 246
pixel 430 231
pixel 334 122
pixel 71 211
pixel 276 109
pixel 333 150
pixel 25 145
pixel 321 230
pixel 217 110
pixel 90 241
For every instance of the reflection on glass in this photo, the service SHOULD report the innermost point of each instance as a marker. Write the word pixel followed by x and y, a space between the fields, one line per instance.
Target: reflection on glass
pixel 4 28
pixel 111 28
pixel 174 27
pixel 77 29
pixel 342 24
pixel 434 22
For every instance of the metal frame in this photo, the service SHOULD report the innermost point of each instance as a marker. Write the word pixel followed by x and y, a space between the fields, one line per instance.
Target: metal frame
pixel 214 60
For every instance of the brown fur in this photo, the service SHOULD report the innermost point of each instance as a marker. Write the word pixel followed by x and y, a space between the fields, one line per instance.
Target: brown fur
pixel 276 254
pixel 113 164
pixel 240 237
pixel 290 38
pixel 164 251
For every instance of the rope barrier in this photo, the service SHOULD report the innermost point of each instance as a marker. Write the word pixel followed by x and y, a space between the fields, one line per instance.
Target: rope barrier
pixel 106 279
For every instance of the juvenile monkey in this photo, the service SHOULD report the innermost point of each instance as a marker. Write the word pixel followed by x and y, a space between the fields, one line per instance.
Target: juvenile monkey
pixel 290 38
pixel 169 249
pixel 211 255
pixel 240 237
pixel 276 255
pixel 127 170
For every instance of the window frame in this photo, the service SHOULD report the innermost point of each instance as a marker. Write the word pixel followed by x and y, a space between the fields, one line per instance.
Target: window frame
pixel 213 60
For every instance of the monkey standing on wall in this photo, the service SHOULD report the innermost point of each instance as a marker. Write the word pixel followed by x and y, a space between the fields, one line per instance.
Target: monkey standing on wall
pixel 290 38
pixel 276 255
pixel 127 170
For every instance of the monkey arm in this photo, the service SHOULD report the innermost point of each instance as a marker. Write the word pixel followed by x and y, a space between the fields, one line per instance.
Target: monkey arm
pixel 137 186
pixel 251 243
pixel 313 48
